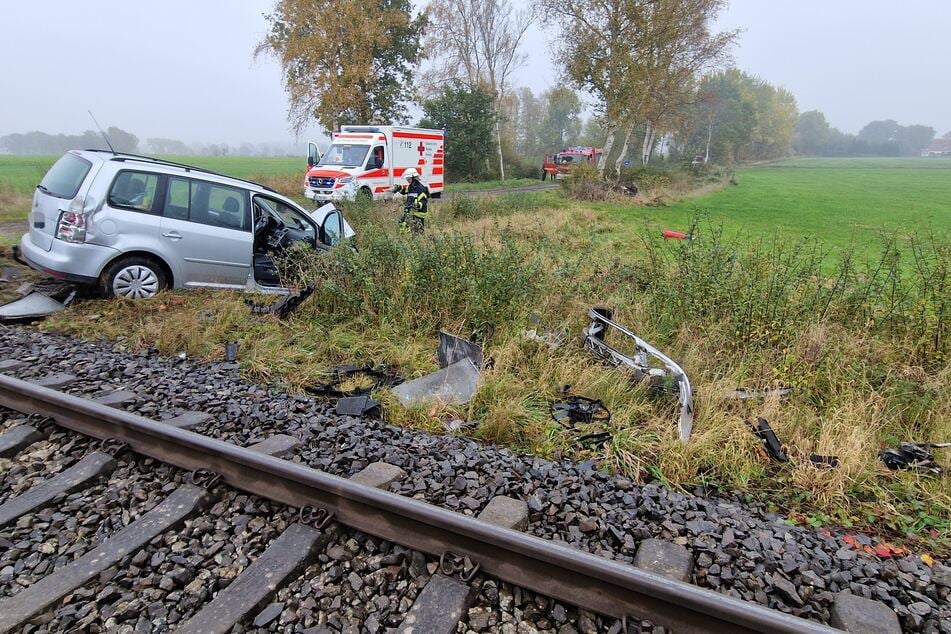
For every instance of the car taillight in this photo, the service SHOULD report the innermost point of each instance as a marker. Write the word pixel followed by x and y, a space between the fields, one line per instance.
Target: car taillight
pixel 72 222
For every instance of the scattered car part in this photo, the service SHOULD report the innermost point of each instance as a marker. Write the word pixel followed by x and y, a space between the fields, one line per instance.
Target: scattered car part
pixel 911 455
pixel 592 440
pixel 574 410
pixel 452 349
pixel 34 306
pixel 552 338
pixel 283 308
pixel 342 373
pixel 594 338
pixel 456 424
pixel 770 442
pixel 742 394
pixel 357 406
pixel 231 351
pixel 824 461
pixel 455 384
pixel 674 235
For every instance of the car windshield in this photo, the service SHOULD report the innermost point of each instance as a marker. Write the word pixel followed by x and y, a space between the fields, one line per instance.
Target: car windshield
pixel 344 155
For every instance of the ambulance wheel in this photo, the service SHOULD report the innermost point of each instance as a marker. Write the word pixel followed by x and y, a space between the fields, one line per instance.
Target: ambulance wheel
pixel 436 195
pixel 364 193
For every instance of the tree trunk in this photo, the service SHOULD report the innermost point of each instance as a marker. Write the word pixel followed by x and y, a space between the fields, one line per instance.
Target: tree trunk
pixel 498 138
pixel 620 159
pixel 650 148
pixel 608 145
pixel 706 155
pixel 648 143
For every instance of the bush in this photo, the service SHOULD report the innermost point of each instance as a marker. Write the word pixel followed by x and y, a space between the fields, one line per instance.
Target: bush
pixel 423 283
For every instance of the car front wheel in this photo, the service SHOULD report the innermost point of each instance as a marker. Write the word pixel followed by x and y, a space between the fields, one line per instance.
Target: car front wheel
pixel 133 278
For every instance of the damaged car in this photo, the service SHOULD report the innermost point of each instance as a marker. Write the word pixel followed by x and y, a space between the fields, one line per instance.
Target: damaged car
pixel 134 225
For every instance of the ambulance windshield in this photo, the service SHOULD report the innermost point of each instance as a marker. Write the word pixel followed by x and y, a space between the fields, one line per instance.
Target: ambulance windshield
pixel 344 155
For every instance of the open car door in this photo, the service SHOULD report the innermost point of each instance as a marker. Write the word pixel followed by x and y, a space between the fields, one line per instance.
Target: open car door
pixel 313 154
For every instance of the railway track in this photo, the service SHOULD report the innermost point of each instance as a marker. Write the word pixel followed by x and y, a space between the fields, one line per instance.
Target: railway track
pixel 315 512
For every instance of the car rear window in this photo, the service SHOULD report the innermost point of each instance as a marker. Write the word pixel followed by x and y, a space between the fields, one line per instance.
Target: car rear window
pixel 66 176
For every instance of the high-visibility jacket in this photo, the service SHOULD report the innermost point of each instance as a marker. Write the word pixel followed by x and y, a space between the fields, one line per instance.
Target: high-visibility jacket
pixel 421 192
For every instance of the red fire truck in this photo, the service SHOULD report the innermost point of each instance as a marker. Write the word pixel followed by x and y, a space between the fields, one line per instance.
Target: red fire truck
pixel 557 165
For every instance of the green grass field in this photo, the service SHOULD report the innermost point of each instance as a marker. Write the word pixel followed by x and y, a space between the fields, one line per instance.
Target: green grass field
pixel 838 202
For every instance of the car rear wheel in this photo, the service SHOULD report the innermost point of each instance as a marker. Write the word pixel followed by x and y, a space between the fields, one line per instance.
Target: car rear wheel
pixel 133 278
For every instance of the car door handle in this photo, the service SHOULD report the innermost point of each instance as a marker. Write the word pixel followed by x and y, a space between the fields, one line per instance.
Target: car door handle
pixel 172 235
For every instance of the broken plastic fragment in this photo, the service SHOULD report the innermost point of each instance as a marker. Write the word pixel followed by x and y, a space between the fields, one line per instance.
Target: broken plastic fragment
pixel 283 308
pixel 594 338
pixel 33 306
pixel 911 455
pixel 453 385
pixel 357 406
pixel 824 461
pixel 452 348
pixel 742 394
pixel 770 442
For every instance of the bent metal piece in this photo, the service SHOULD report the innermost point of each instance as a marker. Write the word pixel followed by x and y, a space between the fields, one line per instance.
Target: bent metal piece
pixel 548 568
pixel 594 336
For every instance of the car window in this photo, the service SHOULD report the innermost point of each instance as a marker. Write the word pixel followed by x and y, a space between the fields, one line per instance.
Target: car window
pixel 344 155
pixel 207 204
pixel 290 217
pixel 376 159
pixel 66 176
pixel 134 190
pixel 332 229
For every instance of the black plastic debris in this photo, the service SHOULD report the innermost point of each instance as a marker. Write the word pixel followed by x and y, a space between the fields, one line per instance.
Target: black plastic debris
pixel 911 455
pixel 231 351
pixel 452 349
pixel 357 406
pixel 770 442
pixel 830 462
pixel 574 410
pixel 373 378
pixel 283 308
pixel 743 394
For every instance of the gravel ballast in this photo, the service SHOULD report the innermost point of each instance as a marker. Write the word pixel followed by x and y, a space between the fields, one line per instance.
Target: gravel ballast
pixel 738 549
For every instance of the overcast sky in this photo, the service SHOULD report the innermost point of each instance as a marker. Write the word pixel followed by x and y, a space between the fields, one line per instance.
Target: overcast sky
pixel 185 69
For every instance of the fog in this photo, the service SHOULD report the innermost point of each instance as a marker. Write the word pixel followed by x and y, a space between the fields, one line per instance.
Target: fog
pixel 186 70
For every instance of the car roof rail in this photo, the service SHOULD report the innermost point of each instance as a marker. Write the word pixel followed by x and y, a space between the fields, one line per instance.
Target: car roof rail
pixel 188 168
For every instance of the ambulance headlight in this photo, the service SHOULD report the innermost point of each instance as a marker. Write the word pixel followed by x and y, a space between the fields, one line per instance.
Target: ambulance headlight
pixel 345 180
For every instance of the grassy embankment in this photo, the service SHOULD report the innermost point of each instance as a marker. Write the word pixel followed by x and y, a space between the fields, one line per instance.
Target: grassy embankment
pixel 787 284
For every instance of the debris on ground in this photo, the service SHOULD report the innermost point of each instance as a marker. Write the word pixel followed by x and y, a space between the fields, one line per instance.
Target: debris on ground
pixel 452 349
pixel 576 410
pixel 372 378
pixel 34 306
pixel 283 308
pixel 453 385
pixel 743 394
pixel 770 442
pixel 911 455
pixel 674 235
pixel 357 406
pixel 830 462
pixel 231 351
pixel 640 363
pixel 457 424
pixel 552 338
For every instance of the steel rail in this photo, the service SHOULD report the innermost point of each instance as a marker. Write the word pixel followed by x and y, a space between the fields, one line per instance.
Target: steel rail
pixel 548 568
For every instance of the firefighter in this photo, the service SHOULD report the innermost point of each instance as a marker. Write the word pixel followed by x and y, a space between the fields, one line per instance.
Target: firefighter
pixel 417 203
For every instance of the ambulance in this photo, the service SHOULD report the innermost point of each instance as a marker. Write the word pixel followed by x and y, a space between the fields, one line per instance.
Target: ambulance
pixel 368 160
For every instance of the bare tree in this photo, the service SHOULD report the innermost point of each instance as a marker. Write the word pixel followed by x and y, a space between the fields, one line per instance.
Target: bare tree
pixel 477 42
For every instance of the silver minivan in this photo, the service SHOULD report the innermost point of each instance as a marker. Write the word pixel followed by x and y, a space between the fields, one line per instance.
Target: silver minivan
pixel 135 225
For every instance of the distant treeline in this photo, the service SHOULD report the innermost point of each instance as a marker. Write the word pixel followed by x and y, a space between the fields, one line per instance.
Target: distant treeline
pixel 122 141
pixel 815 137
